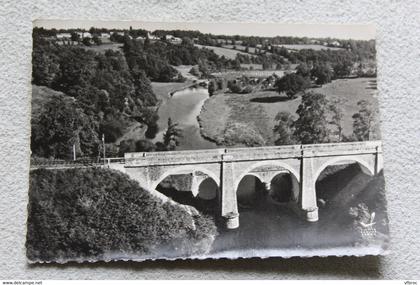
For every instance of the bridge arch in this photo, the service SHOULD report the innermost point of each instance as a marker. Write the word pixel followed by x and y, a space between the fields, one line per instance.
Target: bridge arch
pixel 248 171
pixel 186 169
pixel 284 187
pixel 249 189
pixel 208 189
pixel 368 168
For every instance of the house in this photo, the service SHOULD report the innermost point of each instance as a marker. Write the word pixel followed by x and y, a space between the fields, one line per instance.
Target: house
pixel 63 36
pixel 221 41
pixel 83 35
pixel 173 40
pixel 140 38
pixel 176 41
pixel 336 44
pixel 152 37
pixel 103 36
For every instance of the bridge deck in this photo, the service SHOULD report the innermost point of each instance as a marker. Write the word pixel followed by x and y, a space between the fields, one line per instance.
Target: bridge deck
pixel 136 159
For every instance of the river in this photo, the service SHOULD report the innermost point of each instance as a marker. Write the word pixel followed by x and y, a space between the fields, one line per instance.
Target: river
pixel 183 107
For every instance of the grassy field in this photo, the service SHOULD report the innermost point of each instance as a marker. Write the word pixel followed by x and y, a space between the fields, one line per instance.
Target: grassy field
pixel 250 73
pixel 314 47
pixel 226 52
pixel 259 109
pixel 104 47
pixel 252 66
pixel 241 48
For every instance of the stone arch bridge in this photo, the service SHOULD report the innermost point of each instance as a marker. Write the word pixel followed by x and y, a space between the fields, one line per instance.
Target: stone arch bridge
pixel 228 166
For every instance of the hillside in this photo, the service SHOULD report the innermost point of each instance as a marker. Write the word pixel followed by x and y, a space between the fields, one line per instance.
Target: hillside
pixel 41 95
pixel 85 214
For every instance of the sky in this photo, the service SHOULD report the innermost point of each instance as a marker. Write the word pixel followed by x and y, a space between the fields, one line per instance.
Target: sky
pixel 340 31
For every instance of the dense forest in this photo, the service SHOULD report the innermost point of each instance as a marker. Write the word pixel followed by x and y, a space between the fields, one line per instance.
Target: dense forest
pixel 93 213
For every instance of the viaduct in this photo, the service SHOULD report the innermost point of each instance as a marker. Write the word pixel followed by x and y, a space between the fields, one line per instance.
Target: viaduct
pixel 228 166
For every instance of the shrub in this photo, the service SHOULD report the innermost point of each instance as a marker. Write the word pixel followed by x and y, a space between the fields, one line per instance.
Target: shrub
pixel 241 133
pixel 79 214
pixel 234 87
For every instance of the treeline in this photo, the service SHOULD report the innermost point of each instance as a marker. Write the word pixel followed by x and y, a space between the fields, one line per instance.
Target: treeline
pixel 347 61
pixel 157 57
pixel 95 213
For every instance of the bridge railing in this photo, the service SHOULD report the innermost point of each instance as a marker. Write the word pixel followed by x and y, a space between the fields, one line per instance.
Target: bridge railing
pixel 251 153
pixel 39 163
pixel 221 154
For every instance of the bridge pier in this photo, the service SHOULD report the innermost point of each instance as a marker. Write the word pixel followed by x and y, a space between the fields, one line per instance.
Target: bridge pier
pixel 229 202
pixel 308 192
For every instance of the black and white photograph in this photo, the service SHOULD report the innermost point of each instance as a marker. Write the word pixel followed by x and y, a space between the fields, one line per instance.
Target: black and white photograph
pixel 153 140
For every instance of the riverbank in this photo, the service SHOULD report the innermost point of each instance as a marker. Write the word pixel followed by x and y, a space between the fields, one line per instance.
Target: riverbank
pixel 183 107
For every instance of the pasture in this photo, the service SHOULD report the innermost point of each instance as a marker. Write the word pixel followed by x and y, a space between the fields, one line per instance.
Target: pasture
pixel 251 50
pixel 249 73
pixel 258 109
pixel 226 52
pixel 104 47
pixel 314 47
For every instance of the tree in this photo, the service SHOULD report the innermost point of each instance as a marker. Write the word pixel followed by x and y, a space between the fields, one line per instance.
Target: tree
pixel 322 74
pixel 336 108
pixel 86 42
pixel 97 40
pixel 234 87
pixel 211 88
pixel 284 129
pixel 343 68
pixel 291 84
pixel 312 124
pixel 75 37
pixel 172 135
pixel 45 66
pixel 59 126
pixel 195 71
pixel 87 213
pixel 303 70
pixel 132 145
pixel 363 121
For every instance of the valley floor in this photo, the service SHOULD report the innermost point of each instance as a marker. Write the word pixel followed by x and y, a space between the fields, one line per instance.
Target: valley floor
pixel 257 110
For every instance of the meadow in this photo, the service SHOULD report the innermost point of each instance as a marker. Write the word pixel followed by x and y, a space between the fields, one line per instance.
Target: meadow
pixel 104 47
pixel 257 110
pixel 226 52
pixel 313 47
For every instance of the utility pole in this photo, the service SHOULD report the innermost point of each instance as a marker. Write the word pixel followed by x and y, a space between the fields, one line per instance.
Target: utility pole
pixel 74 152
pixel 103 145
